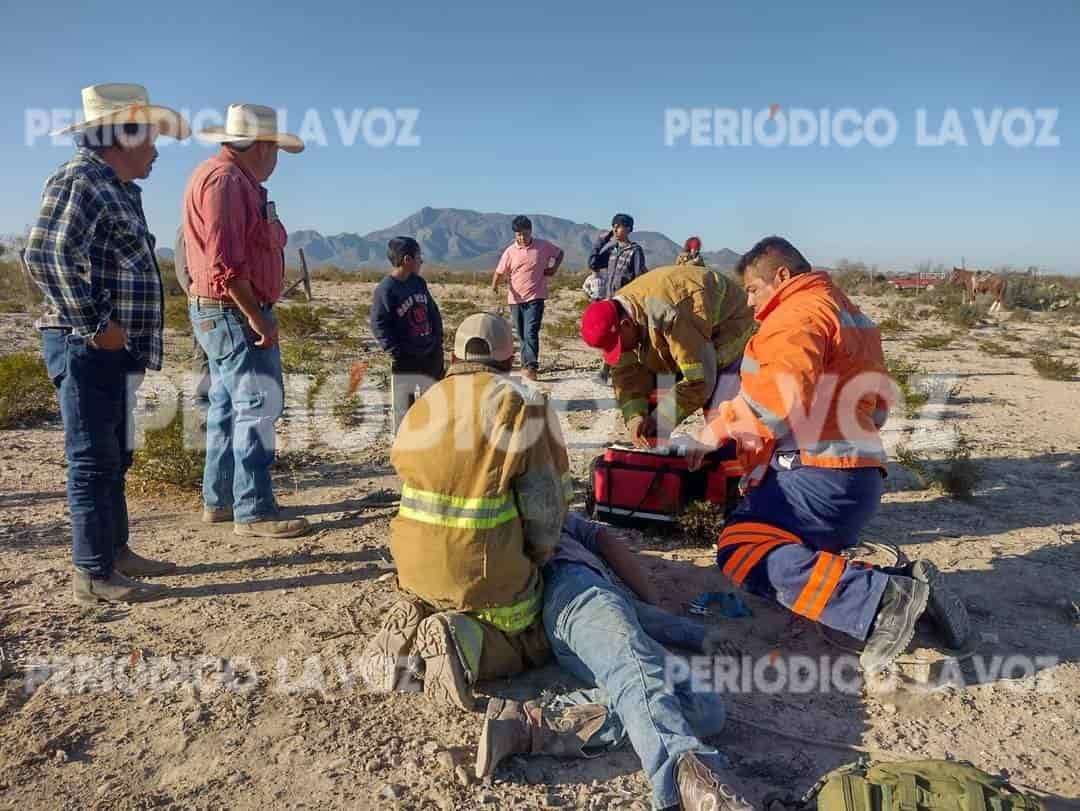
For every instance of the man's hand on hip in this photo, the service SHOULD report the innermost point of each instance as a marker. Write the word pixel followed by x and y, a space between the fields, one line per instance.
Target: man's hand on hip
pixel 266 330
pixel 112 339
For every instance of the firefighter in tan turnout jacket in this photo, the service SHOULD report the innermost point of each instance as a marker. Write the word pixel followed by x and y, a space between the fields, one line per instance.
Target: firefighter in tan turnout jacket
pixel 681 322
pixel 482 505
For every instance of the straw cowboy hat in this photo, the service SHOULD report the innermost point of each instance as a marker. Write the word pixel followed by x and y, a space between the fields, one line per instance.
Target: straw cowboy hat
pixel 105 104
pixel 251 122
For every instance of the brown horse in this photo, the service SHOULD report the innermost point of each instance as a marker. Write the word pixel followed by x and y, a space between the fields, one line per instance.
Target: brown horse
pixel 981 281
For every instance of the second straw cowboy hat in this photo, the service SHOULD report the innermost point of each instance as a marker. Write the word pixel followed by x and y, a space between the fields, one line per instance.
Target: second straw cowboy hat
pixel 115 103
pixel 251 122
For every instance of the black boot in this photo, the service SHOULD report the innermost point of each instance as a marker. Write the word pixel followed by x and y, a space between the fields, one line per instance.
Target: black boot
pixel 902 603
pixel 945 608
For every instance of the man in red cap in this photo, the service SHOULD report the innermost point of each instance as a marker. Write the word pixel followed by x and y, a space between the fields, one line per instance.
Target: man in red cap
pixel 691 254
pixel 682 323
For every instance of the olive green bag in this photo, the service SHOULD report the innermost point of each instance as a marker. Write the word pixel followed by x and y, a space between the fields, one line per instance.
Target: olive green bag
pixel 917 785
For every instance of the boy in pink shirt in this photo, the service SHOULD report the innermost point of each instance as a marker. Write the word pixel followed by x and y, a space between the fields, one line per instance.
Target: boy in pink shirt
pixel 528 263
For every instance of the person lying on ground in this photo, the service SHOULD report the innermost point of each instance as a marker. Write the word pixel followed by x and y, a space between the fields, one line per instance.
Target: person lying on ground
pixel 605 629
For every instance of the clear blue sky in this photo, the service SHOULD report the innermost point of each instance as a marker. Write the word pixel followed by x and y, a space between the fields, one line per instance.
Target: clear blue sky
pixel 559 108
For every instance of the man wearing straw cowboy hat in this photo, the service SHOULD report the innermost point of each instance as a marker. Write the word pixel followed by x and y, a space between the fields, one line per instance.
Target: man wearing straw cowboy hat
pixel 234 245
pixel 92 255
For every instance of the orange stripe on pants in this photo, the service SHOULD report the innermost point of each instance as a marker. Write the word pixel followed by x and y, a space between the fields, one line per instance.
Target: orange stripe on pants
pixel 753 541
pixel 823 580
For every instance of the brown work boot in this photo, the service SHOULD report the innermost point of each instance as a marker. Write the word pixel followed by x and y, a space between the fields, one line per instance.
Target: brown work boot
pixel 132 565
pixel 507 731
pixel 387 664
pixel 701 789
pixel 114 589
pixel 217 515
pixel 445 679
pixel 511 728
pixel 273 528
pixel 902 603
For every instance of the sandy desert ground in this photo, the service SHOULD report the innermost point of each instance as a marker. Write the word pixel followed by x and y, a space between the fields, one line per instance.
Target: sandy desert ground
pixel 280 623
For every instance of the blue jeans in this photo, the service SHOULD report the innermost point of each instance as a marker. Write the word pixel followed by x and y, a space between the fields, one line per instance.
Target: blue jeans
pixel 96 389
pixel 604 638
pixel 527 318
pixel 246 399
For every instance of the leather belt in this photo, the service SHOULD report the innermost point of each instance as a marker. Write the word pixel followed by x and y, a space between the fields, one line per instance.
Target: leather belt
pixel 221 304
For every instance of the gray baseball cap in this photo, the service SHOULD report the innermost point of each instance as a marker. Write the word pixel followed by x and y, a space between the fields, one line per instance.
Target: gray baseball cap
pixel 484 338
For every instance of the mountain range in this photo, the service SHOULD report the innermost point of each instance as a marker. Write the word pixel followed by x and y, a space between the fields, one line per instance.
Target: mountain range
pixel 464 239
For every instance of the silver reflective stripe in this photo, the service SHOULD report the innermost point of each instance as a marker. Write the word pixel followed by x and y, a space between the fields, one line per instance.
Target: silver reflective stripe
pixel 846 449
pixel 856 320
pixel 776 424
pixel 749 365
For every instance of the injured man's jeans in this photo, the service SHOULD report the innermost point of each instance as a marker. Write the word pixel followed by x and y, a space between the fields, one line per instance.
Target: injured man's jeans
pixel 603 637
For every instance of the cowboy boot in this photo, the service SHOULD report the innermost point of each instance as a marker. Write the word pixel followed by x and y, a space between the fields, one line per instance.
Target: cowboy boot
pixel 945 608
pixel 701 789
pixel 512 728
pixel 902 603
pixel 387 662
pixel 132 565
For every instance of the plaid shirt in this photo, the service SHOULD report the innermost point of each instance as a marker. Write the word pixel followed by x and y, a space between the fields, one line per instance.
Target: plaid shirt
pixel 92 255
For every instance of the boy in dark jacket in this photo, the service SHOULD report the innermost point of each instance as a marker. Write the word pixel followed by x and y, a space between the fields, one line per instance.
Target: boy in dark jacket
pixel 406 322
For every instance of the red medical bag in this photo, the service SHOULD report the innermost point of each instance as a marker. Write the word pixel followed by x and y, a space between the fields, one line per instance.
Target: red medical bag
pixel 631 484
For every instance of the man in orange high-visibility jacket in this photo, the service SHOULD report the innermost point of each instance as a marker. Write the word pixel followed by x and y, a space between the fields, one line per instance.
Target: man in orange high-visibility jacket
pixel 813 395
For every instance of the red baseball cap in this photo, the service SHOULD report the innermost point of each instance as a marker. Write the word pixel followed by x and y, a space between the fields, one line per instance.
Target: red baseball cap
pixel 600 329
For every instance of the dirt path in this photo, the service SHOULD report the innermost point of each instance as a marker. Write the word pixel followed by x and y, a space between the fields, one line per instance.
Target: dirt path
pixel 269 631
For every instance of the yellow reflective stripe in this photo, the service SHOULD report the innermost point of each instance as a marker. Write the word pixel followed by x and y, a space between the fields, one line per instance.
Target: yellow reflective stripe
pixel 459 521
pixel 489 502
pixel 693 371
pixel 512 618
pixel 635 407
pixel 456 511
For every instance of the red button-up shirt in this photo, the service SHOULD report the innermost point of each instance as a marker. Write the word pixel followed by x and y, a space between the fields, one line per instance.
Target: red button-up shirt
pixel 229 233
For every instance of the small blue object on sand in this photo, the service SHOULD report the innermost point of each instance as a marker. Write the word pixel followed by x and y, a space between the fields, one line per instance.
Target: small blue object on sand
pixel 719 604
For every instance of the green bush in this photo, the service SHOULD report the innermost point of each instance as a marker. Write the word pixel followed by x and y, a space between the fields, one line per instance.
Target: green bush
pixel 567 328
pixel 176 314
pixel 892 326
pixel 301 357
pixel 1051 368
pixel 165 458
pixel 27 396
pixel 1020 316
pixel 963 316
pixel 933 341
pixel 998 350
pixel 299 320
pixel 702 521
pixel 15 285
pixel 955 474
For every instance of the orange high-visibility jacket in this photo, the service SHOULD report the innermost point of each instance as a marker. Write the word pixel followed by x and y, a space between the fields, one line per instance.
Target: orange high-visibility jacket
pixel 813 378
